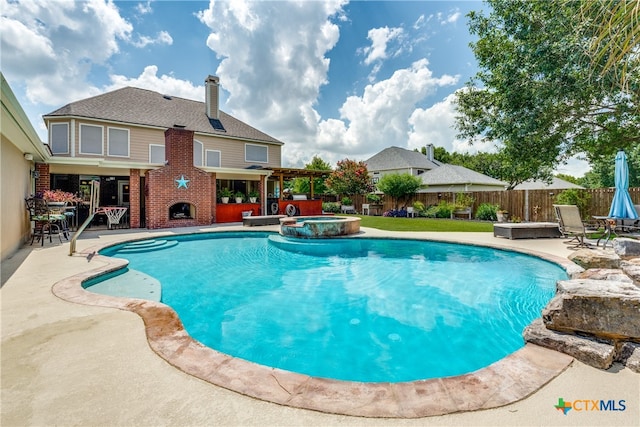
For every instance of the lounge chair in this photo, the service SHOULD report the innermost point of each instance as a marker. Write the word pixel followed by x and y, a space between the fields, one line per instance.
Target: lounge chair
pixel 571 225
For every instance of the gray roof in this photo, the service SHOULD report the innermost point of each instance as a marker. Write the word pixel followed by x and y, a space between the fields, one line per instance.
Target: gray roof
pixel 136 106
pixel 555 184
pixel 454 174
pixel 399 158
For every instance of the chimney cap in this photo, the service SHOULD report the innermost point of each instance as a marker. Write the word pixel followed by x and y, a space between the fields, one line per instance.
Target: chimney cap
pixel 212 79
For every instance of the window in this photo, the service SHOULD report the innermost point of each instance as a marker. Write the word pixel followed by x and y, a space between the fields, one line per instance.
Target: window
pixel 118 142
pixel 59 138
pixel 197 153
pixel 256 153
pixel 90 139
pixel 156 154
pixel 213 158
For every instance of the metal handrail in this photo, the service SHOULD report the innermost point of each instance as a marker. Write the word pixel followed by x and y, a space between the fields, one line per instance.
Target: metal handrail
pixel 94 203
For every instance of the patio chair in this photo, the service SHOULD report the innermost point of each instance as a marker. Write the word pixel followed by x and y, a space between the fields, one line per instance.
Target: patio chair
pixel 365 209
pixel 410 212
pixel 571 225
pixel 45 223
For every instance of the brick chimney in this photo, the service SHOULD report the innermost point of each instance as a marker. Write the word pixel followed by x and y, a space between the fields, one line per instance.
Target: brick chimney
pixel 179 194
pixel 211 85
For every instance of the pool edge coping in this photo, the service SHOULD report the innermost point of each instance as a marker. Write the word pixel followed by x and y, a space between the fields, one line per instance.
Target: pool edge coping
pixel 506 381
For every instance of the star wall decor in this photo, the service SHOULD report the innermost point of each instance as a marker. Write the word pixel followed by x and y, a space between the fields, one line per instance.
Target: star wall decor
pixel 182 182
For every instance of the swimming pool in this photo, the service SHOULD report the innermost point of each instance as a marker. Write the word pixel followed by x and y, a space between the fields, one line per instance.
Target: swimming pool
pixel 370 310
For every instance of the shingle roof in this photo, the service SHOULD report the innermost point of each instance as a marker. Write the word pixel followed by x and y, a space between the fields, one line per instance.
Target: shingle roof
pixel 555 184
pixel 399 158
pixel 454 174
pixel 136 106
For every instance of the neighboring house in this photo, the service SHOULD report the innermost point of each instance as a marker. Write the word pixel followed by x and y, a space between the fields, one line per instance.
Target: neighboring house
pixel 20 148
pixel 164 158
pixel 435 175
pixel 555 184
pixel 454 178
pixel 400 160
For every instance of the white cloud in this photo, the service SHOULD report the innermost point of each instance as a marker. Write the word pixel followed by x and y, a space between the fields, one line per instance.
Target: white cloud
pixel 149 79
pixel 52 49
pixel 436 125
pixel 163 37
pixel 273 62
pixel 420 22
pixel 144 8
pixel 377 119
pixel 380 38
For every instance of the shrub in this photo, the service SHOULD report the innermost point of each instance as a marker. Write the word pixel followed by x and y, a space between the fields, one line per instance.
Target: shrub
pixel 574 196
pixel 347 201
pixel 331 207
pixel 396 213
pixel 464 200
pixel 487 212
pixel 442 210
pixel 419 208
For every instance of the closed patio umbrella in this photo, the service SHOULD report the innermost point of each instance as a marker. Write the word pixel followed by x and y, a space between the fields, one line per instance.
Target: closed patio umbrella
pixel 622 206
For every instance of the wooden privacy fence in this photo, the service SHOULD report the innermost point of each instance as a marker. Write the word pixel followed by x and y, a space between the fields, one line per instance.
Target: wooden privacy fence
pixel 524 205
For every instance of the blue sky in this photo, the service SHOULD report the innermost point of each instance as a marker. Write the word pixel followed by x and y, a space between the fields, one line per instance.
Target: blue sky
pixel 336 79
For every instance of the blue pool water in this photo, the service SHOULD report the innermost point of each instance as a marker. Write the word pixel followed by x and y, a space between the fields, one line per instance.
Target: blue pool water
pixel 352 309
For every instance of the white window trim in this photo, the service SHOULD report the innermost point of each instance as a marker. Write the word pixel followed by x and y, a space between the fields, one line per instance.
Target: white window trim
pixel 212 151
pixel 255 161
pixel 101 153
pixel 109 142
pixel 51 137
pixel 155 145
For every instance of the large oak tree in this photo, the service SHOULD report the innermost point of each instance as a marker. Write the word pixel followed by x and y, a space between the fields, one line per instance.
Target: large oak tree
pixel 539 91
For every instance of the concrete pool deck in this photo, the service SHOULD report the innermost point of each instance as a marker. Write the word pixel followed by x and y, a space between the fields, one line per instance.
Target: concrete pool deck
pixel 72 364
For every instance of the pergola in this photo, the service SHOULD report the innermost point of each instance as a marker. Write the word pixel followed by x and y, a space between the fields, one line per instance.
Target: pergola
pixel 283 174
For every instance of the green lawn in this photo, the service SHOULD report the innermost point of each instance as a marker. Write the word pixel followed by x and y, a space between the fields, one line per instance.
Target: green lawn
pixel 423 224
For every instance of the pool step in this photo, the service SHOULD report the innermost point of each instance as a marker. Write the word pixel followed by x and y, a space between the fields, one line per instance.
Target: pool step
pixel 147 246
pixel 129 283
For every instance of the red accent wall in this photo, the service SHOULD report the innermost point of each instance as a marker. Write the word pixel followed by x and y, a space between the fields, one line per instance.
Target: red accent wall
pixel 163 191
pixel 232 212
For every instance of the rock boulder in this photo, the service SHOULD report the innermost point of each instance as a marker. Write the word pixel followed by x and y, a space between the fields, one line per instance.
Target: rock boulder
pixel 603 308
pixel 626 247
pixel 590 258
pixel 594 353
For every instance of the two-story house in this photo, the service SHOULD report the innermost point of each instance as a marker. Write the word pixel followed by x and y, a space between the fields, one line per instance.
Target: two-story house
pixel 166 159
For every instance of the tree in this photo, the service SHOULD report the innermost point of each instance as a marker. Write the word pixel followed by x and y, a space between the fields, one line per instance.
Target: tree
pixel 536 93
pixel 616 36
pixel 302 186
pixel 399 186
pixel 349 178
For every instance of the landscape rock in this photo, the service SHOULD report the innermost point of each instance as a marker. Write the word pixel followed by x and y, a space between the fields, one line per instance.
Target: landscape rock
pixel 625 247
pixel 589 351
pixel 604 274
pixel 604 308
pixel 590 258
pixel 629 355
pixel 632 269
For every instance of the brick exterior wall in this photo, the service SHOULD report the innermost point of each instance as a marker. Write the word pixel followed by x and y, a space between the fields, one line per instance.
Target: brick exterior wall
pixel 44 180
pixel 134 198
pixel 163 190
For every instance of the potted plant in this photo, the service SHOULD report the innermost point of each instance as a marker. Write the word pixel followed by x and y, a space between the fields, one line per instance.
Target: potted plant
pixel 59 198
pixel 239 197
pixel 253 196
pixel 225 193
pixel 347 206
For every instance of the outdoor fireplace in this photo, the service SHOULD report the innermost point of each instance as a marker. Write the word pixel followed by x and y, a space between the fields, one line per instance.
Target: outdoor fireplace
pixel 182 211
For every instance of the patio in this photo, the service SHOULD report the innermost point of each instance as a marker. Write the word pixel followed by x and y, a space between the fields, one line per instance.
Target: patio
pixel 70 364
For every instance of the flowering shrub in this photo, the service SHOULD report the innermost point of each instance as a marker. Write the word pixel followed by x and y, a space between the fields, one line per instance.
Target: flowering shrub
pixel 398 213
pixel 60 196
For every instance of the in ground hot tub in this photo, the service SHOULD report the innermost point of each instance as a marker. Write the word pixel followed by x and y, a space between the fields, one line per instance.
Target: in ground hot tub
pixel 318 227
